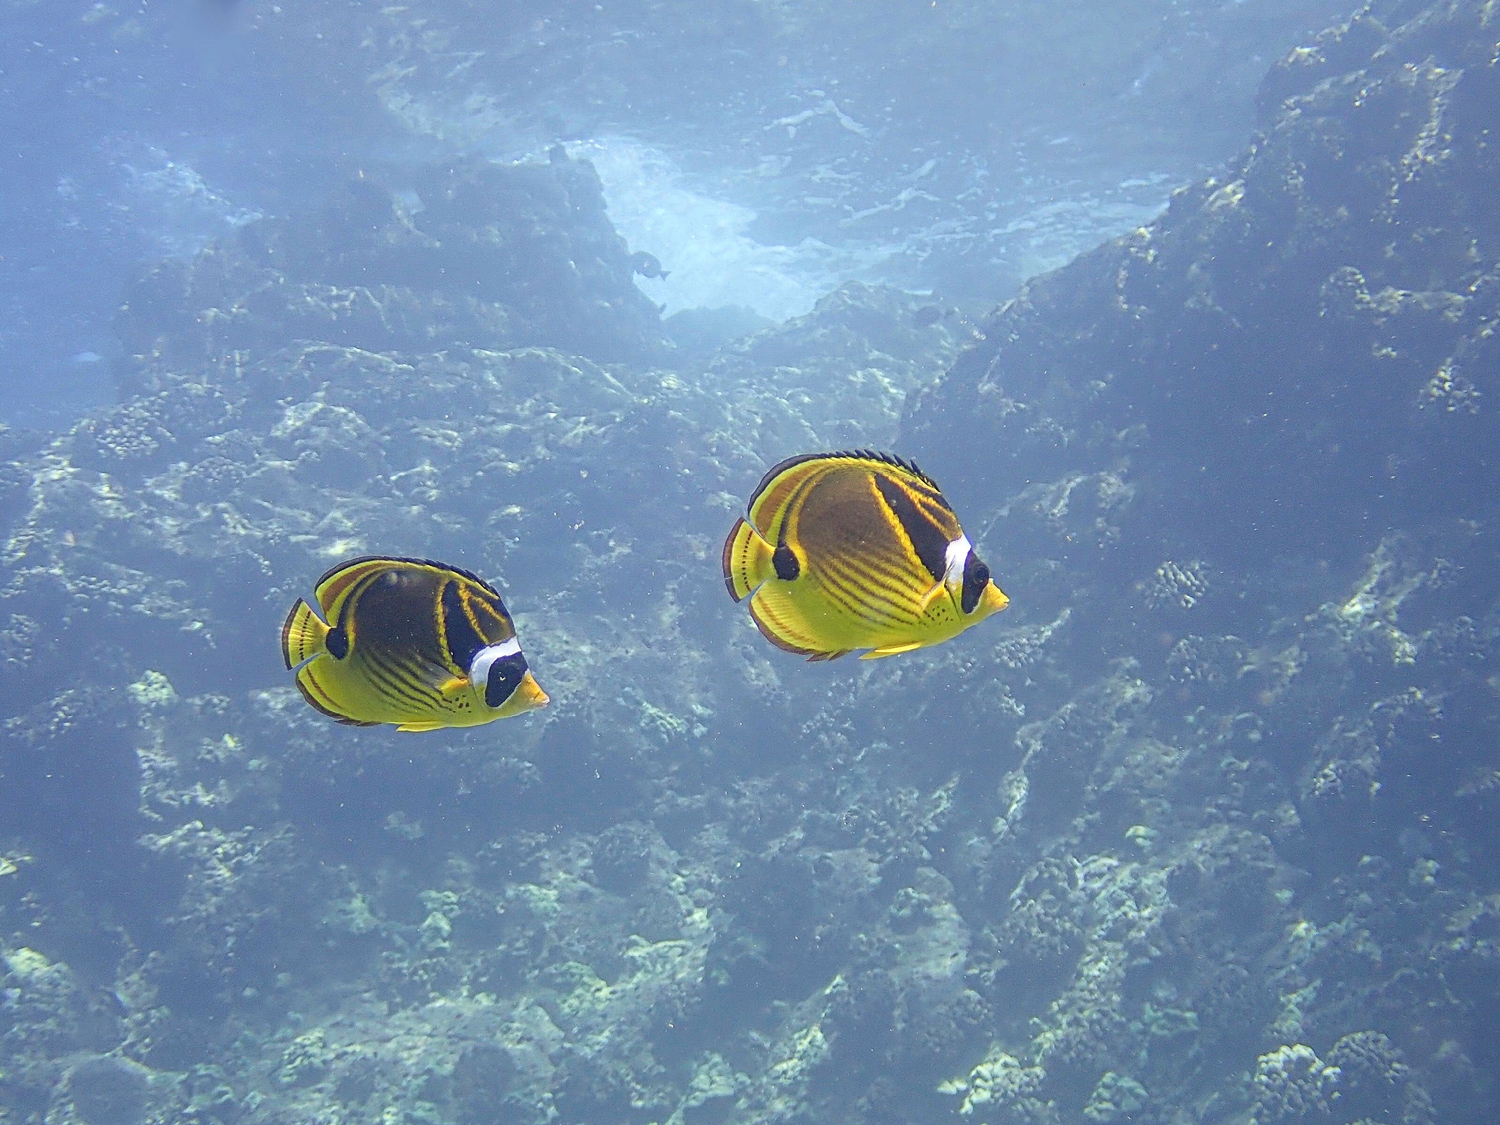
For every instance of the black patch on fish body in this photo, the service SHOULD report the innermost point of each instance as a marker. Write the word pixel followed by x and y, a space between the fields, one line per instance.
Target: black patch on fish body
pixel 394 623
pixel 395 610
pixel 337 642
pixel 976 578
pixel 505 676
pixel 927 539
pixel 463 640
pixel 784 559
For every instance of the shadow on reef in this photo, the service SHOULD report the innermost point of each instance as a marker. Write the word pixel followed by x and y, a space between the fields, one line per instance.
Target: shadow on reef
pixel 1200 830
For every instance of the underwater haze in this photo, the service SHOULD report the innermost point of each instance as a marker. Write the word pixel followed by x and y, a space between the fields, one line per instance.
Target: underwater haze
pixel 1193 309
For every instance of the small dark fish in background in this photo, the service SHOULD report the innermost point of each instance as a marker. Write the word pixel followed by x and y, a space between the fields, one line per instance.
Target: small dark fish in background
pixel 857 550
pixel 647 265
pixel 928 315
pixel 416 643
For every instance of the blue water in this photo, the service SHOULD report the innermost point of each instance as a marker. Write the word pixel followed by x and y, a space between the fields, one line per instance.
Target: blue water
pixel 1189 307
pixel 141 130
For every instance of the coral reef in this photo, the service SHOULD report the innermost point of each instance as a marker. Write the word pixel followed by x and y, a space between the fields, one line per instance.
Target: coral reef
pixel 489 255
pixel 1201 830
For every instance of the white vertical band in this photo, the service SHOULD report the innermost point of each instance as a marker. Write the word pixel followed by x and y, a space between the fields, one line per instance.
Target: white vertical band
pixel 479 668
pixel 957 556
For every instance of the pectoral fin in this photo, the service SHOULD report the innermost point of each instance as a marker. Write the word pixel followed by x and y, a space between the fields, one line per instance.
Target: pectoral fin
pixel 928 598
pixel 453 686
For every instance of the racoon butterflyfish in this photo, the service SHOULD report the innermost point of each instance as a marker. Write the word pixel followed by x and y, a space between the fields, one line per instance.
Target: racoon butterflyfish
pixel 410 642
pixel 857 550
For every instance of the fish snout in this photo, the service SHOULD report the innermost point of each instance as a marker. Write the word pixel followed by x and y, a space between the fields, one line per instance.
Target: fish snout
pixel 529 695
pixel 993 600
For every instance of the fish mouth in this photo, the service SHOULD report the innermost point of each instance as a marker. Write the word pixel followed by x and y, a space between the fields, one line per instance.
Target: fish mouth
pixel 528 695
pixel 995 598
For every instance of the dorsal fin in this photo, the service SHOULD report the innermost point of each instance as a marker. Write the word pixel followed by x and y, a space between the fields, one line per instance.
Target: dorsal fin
pixel 890 459
pixel 402 560
pixel 840 455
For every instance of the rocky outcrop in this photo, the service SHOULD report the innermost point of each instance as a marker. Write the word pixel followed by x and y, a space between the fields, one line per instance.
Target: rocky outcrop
pixel 1199 830
pixel 1294 357
pixel 467 252
pixel 1248 449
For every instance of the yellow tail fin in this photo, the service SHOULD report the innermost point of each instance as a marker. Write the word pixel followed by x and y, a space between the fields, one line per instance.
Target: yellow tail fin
pixel 747 561
pixel 302 635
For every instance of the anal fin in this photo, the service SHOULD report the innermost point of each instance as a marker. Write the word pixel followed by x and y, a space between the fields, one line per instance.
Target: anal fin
pixel 890 650
pixel 782 624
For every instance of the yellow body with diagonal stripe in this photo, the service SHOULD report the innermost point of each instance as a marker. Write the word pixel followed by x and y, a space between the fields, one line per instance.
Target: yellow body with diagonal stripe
pixel 410 642
pixel 858 550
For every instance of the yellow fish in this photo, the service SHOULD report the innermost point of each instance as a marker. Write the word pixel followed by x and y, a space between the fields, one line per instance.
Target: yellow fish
pixel 858 550
pixel 410 642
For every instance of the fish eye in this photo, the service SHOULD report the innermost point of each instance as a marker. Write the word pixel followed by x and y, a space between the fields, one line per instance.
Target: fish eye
pixel 976 578
pixel 505 676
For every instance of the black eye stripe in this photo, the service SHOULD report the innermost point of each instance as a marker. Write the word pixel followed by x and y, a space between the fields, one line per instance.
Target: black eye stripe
pixel 976 578
pixel 505 676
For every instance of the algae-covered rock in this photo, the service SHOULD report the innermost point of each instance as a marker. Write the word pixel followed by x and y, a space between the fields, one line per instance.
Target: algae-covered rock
pixel 1272 378
pixel 1286 332
pixel 467 252
pixel 1117 1098
pixel 107 1090
pixel 1374 1083
pixel 49 1020
pixel 1201 828
pixel 543 872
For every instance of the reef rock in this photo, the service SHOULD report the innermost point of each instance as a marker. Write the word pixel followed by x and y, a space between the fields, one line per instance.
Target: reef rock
pixel 468 252
pixel 1202 829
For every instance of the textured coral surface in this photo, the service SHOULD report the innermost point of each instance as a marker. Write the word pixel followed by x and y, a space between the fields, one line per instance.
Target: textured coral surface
pixel 1200 830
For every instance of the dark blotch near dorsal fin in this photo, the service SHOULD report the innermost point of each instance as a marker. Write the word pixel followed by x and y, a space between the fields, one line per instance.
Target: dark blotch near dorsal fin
pixel 460 571
pixel 891 459
pixel 402 559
